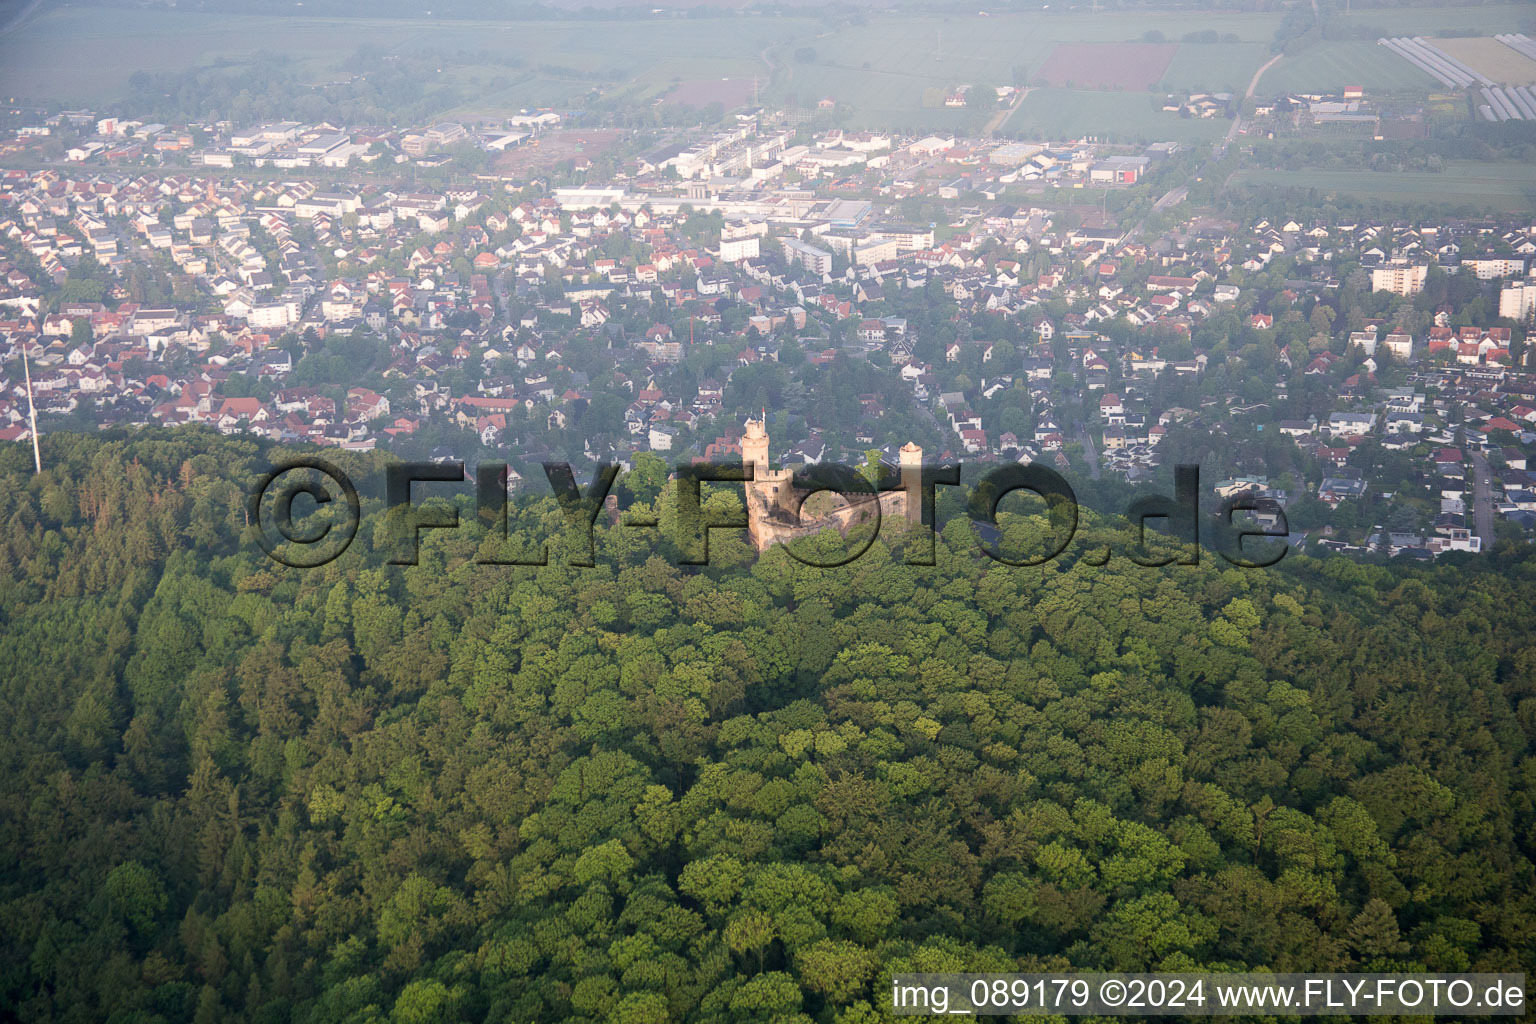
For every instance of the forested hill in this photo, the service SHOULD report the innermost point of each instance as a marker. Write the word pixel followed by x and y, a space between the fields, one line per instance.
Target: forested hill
pixel 644 792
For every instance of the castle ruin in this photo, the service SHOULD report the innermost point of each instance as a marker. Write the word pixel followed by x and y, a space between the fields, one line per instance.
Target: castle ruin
pixel 774 503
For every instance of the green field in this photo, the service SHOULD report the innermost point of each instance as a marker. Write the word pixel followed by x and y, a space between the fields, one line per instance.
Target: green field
pixel 879 70
pixel 1215 67
pixel 107 45
pixel 877 97
pixel 1115 116
pixel 890 61
pixel 1330 66
pixel 889 71
pixel 1427 21
pixel 1502 186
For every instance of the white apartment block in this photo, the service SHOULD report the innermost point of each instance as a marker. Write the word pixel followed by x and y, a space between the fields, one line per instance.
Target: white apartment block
pixel 268 317
pixel 875 251
pixel 1400 345
pixel 734 250
pixel 1400 279
pixel 1518 300
pixel 817 261
pixel 1489 267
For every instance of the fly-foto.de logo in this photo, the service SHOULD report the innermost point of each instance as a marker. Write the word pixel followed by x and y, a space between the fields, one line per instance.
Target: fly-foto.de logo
pixel 316 531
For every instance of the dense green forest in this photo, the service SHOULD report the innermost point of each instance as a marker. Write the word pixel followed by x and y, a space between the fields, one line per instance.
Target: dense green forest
pixel 646 792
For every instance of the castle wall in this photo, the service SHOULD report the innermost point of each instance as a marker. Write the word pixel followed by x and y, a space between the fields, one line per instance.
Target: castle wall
pixel 768 526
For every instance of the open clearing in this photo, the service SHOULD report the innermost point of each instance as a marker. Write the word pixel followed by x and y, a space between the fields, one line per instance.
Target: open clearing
pixel 549 149
pixel 1502 186
pixel 1131 66
pixel 1492 58
pixel 701 92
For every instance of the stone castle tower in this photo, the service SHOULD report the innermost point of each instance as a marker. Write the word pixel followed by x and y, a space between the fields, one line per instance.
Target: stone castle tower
pixel 772 485
pixel 773 504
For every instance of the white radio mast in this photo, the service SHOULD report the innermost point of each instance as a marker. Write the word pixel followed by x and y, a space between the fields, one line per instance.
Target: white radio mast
pixel 37 454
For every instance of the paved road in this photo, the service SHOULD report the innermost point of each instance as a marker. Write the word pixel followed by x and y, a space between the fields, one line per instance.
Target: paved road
pixel 501 294
pixel 1090 451
pixel 1482 491
pixel 1171 198
pixel 1253 85
pixel 1176 196
pixel 1001 117
pixel 1237 122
